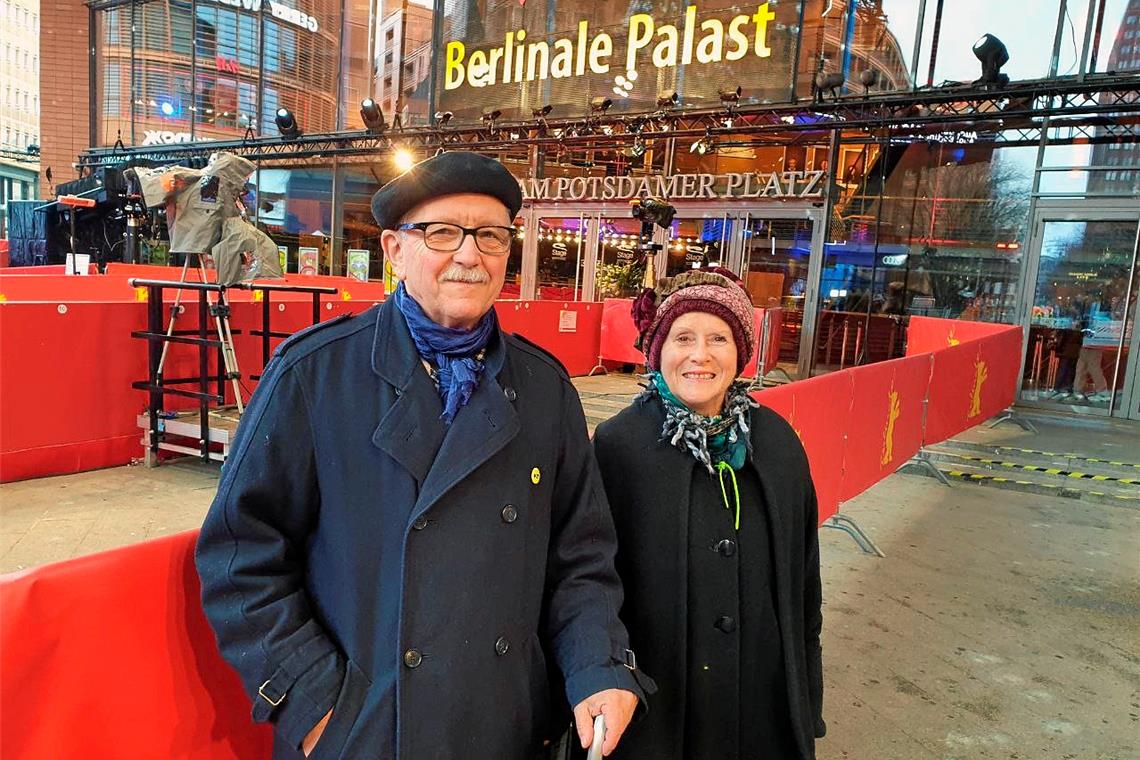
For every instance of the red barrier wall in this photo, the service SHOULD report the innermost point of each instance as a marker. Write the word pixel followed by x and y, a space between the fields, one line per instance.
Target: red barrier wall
pixel 886 430
pixel 820 412
pixel 926 334
pixel 110 656
pixel 540 322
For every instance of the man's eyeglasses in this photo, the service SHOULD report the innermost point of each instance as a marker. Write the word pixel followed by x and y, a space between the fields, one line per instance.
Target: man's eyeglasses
pixel 447 238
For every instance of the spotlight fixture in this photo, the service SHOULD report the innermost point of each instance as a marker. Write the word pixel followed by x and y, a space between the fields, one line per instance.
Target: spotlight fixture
pixel 668 99
pixel 636 125
pixel 825 82
pixel 637 150
pixel 868 78
pixel 703 146
pixel 372 116
pixel 542 113
pixel 489 118
pixel 286 124
pixel 730 97
pixel 992 54
pixel 442 118
pixel 600 104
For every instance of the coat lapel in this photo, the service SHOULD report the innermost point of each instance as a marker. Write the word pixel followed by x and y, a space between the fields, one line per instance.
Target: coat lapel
pixel 409 430
pixel 479 431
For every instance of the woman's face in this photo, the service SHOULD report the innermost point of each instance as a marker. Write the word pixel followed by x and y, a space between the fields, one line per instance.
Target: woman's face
pixel 698 361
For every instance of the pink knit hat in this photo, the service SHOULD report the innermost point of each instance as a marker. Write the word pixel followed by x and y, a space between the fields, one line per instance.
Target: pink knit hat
pixel 715 291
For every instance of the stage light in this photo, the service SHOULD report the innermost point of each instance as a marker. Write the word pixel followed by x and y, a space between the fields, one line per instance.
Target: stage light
pixel 491 116
pixel 637 150
pixel 668 99
pixel 286 124
pixel 443 118
pixel 403 159
pixel 600 104
pixel 703 146
pixel 825 82
pixel 868 78
pixel 729 97
pixel 542 113
pixel 992 54
pixel 372 116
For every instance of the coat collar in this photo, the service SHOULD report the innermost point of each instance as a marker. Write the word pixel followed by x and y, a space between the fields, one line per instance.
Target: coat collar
pixel 410 430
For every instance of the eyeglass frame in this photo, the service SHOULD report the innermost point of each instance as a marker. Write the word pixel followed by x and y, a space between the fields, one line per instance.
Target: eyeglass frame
pixel 467 231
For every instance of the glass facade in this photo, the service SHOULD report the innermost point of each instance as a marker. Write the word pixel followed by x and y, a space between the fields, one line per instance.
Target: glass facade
pixel 849 232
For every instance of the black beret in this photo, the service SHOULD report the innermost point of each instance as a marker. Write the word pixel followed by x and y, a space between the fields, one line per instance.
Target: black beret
pixel 445 174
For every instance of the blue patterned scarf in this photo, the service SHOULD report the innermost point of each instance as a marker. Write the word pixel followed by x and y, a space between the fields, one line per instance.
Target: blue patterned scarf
pixel 456 354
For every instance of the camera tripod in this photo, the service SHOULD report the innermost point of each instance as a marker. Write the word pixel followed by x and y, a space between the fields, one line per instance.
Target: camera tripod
pixel 220 310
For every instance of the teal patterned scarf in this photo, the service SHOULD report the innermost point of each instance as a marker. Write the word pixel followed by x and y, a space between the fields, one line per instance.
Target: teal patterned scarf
pixel 711 440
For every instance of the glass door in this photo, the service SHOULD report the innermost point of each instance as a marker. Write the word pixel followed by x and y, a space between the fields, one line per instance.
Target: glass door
pixel 774 256
pixel 1082 308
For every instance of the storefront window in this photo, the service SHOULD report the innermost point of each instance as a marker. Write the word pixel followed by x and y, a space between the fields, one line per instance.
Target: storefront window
pixel 561 255
pixel 295 207
pixel 621 266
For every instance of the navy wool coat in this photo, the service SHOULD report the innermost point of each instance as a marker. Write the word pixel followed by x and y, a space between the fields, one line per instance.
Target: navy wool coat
pixel 648 483
pixel 361 556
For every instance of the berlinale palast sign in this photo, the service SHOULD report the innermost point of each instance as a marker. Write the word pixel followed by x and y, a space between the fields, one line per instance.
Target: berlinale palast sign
pixel 522 58
pixel 676 187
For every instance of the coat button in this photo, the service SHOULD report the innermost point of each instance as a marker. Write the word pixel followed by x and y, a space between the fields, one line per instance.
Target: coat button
pixel 413 658
pixel 420 523
pixel 726 547
pixel 510 394
pixel 510 514
pixel 502 645
pixel 726 623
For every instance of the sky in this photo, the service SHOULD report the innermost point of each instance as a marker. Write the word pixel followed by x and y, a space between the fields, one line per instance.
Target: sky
pixel 1027 28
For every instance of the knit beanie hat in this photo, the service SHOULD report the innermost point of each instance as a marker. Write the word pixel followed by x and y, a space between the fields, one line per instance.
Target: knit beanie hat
pixel 715 291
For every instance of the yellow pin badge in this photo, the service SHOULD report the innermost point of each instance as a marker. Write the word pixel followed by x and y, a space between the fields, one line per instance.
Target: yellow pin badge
pixel 535 476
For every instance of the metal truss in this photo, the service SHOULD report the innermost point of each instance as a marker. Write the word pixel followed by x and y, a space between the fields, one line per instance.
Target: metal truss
pixel 1097 109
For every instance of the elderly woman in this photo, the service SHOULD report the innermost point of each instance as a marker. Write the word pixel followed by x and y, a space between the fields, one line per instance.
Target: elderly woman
pixel 716 520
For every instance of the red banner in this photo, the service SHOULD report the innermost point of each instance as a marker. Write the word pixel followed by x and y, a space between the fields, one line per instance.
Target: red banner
pixel 619 333
pixel 568 329
pixel 819 410
pixel 926 334
pixel 886 421
pixel 110 656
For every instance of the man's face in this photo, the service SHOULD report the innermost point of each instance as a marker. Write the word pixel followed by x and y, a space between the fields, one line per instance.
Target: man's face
pixel 455 289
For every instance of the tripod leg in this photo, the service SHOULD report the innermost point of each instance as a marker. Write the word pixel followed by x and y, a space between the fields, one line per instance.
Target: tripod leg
pixel 173 318
pixel 225 337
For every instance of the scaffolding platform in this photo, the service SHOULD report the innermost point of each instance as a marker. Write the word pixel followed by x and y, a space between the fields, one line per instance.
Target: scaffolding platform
pixel 181 433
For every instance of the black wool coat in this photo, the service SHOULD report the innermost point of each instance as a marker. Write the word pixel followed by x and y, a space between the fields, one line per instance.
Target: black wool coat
pixel 647 483
pixel 415 578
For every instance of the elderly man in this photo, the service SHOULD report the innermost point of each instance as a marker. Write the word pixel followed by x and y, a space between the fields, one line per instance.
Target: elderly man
pixel 411 520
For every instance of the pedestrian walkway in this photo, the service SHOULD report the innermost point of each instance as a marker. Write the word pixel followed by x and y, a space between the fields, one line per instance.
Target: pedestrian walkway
pixel 1001 624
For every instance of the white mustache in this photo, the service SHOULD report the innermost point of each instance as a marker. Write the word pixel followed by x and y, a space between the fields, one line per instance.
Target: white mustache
pixel 459 273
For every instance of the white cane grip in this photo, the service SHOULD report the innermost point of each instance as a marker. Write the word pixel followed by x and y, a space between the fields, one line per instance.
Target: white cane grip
pixel 599 738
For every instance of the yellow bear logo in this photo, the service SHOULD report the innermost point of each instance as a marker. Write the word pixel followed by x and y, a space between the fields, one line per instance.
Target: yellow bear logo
pixel 981 372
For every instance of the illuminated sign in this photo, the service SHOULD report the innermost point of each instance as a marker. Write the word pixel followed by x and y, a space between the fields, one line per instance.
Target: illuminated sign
pixel 517 60
pixel 676 187
pixel 162 137
pixel 277 10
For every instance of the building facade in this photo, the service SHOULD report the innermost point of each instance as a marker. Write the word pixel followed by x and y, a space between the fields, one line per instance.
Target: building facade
pixel 19 103
pixel 857 161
